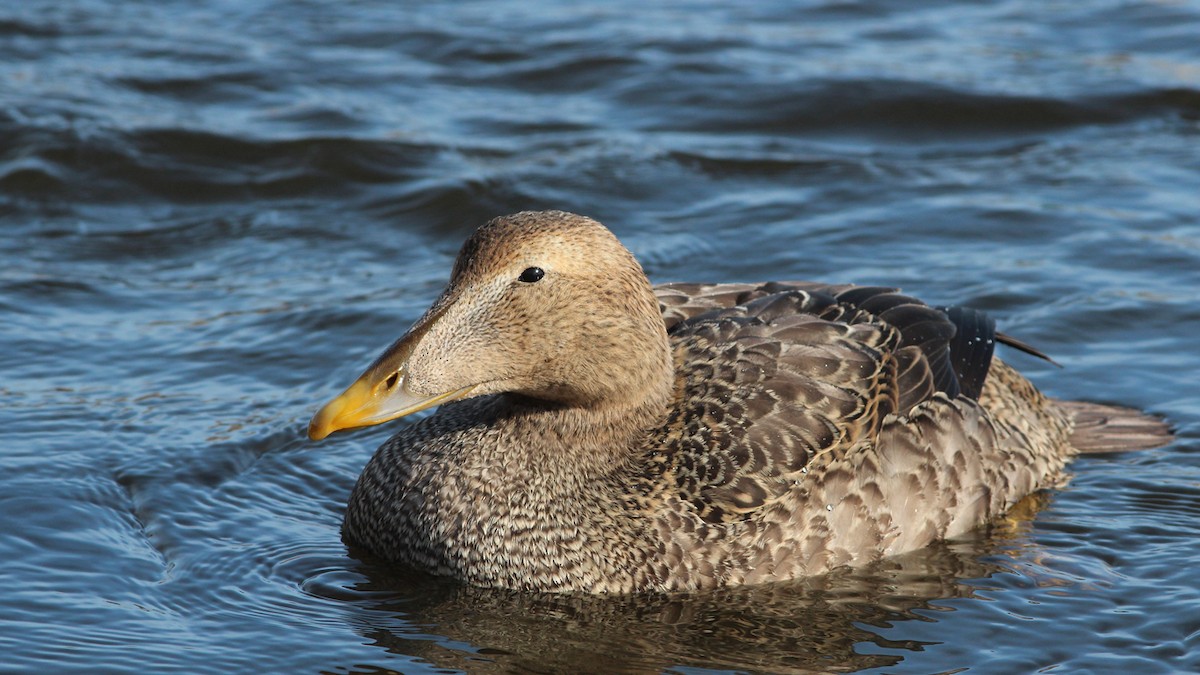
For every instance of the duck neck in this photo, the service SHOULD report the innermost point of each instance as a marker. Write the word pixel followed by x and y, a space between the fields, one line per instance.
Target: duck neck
pixel 600 435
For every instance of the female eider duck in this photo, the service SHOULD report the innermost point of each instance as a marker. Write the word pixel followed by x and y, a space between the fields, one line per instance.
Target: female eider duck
pixel 600 434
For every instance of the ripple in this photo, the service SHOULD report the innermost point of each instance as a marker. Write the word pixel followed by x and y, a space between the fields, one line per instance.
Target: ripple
pixel 913 110
pixel 186 166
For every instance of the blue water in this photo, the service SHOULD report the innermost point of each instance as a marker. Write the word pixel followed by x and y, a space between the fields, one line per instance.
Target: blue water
pixel 213 214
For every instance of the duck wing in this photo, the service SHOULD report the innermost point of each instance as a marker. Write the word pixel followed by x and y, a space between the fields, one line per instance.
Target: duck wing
pixel 773 375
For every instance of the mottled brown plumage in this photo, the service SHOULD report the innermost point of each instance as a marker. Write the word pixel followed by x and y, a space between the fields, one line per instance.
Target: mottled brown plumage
pixel 616 437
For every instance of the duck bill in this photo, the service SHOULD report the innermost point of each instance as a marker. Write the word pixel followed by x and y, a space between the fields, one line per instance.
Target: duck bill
pixel 381 394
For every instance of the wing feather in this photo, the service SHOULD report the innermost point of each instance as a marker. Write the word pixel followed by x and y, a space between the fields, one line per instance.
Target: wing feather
pixel 773 375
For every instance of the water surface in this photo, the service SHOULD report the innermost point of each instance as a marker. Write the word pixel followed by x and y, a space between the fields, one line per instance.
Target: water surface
pixel 214 214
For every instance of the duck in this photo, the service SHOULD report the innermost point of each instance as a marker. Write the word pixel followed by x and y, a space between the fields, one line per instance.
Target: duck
pixel 595 433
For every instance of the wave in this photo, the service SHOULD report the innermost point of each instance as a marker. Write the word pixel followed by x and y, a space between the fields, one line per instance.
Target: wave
pixel 898 109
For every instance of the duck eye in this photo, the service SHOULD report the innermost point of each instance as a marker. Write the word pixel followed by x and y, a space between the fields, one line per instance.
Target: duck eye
pixel 531 274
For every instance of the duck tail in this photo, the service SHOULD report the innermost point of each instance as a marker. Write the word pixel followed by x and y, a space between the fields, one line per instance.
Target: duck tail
pixel 1108 428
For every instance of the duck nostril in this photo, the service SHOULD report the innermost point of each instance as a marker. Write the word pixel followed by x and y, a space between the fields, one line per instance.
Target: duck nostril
pixel 391 381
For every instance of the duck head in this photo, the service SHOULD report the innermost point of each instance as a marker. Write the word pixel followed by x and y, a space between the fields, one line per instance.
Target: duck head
pixel 548 305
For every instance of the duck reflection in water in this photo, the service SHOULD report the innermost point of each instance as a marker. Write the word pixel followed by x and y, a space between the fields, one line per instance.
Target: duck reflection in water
pixel 830 623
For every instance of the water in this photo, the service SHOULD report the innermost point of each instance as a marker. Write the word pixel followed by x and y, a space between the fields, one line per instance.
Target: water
pixel 215 213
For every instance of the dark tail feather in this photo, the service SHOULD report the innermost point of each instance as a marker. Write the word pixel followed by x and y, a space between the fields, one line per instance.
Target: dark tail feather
pixel 1109 428
pixel 1006 339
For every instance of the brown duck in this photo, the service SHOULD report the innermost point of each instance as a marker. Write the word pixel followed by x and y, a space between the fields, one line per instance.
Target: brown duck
pixel 601 434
